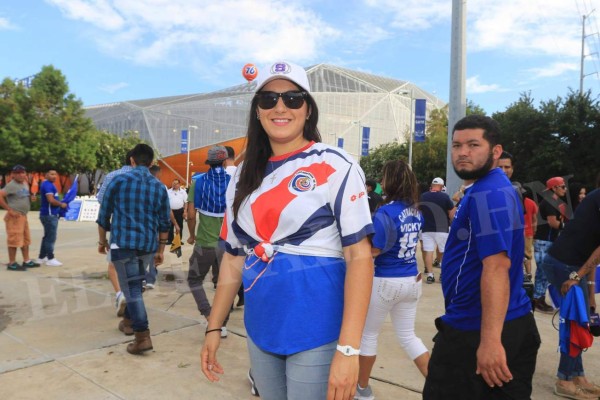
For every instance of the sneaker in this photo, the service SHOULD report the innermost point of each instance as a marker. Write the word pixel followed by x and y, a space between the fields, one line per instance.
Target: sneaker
pixel 363 394
pixel 436 263
pixel 30 264
pixel 430 278
pixel 53 263
pixel 253 388
pixel 41 260
pixel 120 304
pixel 149 286
pixel 224 332
pixel 16 267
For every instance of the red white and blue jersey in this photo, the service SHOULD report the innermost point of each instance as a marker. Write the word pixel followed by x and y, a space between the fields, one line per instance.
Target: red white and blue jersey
pixel 311 204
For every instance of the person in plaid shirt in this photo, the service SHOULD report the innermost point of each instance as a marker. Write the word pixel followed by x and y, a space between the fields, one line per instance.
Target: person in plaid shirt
pixel 135 208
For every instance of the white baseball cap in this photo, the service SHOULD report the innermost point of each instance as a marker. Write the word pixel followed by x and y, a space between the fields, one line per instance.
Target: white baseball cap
pixel 437 181
pixel 283 70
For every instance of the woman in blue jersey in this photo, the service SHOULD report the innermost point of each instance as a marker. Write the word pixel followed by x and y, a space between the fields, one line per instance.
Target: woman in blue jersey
pixel 296 233
pixel 397 283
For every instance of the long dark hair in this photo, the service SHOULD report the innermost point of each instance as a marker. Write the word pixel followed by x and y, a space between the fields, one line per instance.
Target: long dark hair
pixel 400 183
pixel 258 150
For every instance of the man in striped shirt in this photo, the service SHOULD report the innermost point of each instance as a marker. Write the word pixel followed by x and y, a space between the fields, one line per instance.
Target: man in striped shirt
pixel 135 208
pixel 207 195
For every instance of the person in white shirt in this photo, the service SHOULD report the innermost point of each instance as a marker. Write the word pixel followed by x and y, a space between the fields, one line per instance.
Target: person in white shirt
pixel 229 164
pixel 177 200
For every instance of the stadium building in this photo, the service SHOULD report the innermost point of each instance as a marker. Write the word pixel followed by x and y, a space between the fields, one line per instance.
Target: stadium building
pixel 348 100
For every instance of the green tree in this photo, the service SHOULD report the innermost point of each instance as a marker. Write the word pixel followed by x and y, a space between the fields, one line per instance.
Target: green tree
pixel 372 164
pixel 110 154
pixel 558 138
pixel 44 126
pixel 429 157
pixel 575 123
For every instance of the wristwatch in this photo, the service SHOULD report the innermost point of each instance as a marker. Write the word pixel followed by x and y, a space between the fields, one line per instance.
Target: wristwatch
pixel 574 276
pixel 348 350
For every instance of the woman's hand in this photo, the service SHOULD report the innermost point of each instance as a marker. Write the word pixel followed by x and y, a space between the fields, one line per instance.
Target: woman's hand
pixel 567 285
pixel 208 356
pixel 343 377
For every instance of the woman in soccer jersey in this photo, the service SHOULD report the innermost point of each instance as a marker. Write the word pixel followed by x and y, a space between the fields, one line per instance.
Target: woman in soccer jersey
pixel 295 232
pixel 397 283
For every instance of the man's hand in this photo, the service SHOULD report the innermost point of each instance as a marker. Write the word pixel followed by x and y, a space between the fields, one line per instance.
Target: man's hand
pixel 63 205
pixel 191 239
pixel 12 213
pixel 103 247
pixel 491 364
pixel 177 229
pixel 159 258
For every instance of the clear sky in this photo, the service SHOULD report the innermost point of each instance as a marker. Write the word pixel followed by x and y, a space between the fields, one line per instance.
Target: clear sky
pixel 116 50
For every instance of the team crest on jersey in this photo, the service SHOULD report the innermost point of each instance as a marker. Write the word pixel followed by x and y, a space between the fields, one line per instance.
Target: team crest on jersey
pixel 302 181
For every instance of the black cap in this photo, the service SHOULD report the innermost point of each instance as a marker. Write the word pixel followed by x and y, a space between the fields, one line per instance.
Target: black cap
pixel 18 168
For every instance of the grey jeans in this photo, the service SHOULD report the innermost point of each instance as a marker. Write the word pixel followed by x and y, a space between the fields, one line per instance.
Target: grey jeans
pixel 299 376
pixel 200 262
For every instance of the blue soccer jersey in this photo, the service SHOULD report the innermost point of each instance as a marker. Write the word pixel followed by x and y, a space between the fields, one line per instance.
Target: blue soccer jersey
pixel 488 221
pixel 397 228
pixel 46 208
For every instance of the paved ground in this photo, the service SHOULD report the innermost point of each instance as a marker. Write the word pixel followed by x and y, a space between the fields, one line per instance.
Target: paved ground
pixel 59 337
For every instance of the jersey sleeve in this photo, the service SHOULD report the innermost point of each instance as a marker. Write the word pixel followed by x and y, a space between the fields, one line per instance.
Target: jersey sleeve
pixel 449 203
pixel 349 201
pixel 228 241
pixel 386 233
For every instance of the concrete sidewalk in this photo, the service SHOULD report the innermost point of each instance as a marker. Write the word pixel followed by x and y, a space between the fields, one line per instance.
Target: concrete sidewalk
pixel 59 337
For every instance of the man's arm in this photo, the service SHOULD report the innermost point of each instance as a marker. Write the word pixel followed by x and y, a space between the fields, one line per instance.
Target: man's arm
pixel 103 245
pixel 495 293
pixel 586 268
pixel 4 204
pixel 554 222
pixel 164 216
pixel 451 214
pixel 191 222
pixel 52 201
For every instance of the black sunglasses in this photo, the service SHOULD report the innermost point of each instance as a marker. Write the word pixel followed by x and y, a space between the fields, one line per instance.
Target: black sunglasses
pixel 293 99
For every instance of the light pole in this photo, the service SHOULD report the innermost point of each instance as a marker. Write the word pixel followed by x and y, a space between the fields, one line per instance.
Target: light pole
pixel 359 138
pixel 410 126
pixel 334 138
pixel 187 169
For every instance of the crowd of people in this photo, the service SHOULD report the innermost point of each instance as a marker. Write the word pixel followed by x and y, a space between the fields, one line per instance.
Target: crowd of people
pixel 296 228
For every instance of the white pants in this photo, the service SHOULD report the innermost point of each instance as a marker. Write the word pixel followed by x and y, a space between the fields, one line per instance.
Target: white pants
pixel 398 297
pixel 433 239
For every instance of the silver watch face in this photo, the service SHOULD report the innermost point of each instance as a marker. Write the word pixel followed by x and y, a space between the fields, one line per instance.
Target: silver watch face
pixel 574 276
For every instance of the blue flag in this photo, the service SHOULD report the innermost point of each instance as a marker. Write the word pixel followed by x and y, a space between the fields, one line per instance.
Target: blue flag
pixel 420 110
pixel 69 196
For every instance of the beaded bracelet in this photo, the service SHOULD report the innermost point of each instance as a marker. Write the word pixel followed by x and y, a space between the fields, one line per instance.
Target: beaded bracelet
pixel 212 330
